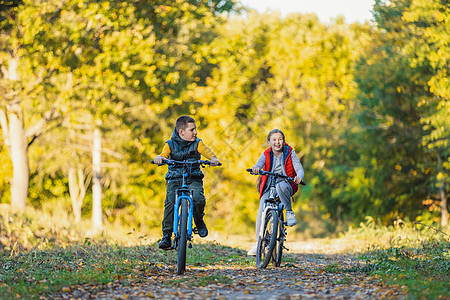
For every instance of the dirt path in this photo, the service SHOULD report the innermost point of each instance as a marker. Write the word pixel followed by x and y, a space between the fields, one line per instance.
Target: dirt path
pixel 303 276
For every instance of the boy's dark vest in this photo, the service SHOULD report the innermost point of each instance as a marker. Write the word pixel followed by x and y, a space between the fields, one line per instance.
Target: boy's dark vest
pixel 288 167
pixel 178 152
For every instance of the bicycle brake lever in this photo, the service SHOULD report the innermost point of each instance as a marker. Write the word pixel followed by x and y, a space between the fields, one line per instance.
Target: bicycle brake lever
pixel 250 171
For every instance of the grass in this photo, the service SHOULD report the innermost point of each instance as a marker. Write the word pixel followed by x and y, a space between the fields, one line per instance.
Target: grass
pixel 215 253
pixel 47 271
pixel 412 255
pixel 424 270
pixel 41 254
pixel 38 259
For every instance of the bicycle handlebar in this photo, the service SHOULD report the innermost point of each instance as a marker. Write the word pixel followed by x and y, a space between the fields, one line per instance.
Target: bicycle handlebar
pixel 262 172
pixel 186 162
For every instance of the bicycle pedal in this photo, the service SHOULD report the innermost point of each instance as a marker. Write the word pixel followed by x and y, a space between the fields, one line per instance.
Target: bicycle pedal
pixel 285 248
pixel 190 246
pixel 195 230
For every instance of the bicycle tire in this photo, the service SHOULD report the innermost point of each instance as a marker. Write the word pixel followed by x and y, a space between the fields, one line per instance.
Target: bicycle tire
pixel 275 255
pixel 266 243
pixel 275 249
pixel 281 239
pixel 182 233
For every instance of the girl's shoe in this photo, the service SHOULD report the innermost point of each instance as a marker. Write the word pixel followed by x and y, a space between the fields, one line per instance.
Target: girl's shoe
pixel 252 251
pixel 290 218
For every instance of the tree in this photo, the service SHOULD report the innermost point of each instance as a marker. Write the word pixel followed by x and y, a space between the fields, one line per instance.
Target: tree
pixel 21 76
pixel 429 52
pixel 396 110
pixel 114 63
pixel 294 74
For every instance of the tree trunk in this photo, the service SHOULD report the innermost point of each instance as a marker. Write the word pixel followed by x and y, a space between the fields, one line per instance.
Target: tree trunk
pixel 444 210
pixel 443 196
pixel 19 157
pixel 77 189
pixel 96 183
pixel 17 138
pixel 4 126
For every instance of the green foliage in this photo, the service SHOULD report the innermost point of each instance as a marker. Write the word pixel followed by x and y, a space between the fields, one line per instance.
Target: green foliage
pixel 294 74
pixel 397 174
pixel 428 51
pixel 5 174
pixel 365 107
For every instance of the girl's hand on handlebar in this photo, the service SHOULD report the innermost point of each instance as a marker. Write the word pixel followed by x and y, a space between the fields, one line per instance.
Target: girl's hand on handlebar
pixel 159 159
pixel 255 170
pixel 297 180
pixel 214 161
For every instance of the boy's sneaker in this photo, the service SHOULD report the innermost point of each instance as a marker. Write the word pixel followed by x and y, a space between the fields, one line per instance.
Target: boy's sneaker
pixel 252 251
pixel 290 218
pixel 166 241
pixel 202 230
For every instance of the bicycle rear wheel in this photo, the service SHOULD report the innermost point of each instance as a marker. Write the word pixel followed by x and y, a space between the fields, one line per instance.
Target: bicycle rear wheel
pixel 182 234
pixel 281 239
pixel 266 242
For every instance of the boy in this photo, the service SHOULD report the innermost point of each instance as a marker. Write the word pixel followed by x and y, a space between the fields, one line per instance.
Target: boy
pixel 184 145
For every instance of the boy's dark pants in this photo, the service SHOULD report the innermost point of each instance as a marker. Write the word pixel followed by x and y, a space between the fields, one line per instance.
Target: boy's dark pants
pixel 169 203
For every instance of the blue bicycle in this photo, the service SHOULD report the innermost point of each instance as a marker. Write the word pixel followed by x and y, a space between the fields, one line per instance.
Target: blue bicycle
pixel 183 211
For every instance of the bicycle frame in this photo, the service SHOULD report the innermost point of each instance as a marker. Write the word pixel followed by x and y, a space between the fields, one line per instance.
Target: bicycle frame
pixel 183 193
pixel 271 203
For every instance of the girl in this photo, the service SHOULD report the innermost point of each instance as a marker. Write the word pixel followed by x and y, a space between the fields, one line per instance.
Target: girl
pixel 279 158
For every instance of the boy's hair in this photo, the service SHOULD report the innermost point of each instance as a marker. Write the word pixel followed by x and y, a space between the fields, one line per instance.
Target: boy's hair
pixel 275 131
pixel 183 121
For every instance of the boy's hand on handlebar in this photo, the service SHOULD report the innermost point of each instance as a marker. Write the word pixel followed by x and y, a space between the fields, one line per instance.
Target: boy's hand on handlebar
pixel 255 170
pixel 214 161
pixel 159 159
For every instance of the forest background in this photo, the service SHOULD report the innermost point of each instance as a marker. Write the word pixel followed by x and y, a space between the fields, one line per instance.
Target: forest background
pixel 90 91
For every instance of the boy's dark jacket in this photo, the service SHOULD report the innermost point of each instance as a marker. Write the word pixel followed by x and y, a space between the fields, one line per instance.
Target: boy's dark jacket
pixel 183 150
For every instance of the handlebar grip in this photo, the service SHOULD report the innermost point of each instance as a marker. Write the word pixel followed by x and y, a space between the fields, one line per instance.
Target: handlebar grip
pixel 302 183
pixel 162 163
pixel 248 170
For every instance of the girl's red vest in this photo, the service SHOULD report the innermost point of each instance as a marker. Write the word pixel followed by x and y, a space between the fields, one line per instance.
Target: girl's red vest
pixel 288 166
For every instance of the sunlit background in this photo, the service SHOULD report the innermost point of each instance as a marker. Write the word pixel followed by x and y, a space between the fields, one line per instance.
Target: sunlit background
pixel 326 10
pixel 90 91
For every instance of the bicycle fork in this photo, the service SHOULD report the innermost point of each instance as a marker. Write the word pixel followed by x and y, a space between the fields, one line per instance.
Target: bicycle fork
pixel 263 220
pixel 176 214
pixel 282 236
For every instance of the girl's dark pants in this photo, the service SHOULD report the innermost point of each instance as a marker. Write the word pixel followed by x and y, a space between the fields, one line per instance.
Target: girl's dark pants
pixel 169 203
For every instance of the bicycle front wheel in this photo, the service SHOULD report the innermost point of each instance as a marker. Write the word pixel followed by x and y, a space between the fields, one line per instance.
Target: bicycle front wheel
pixel 182 233
pixel 281 239
pixel 267 242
